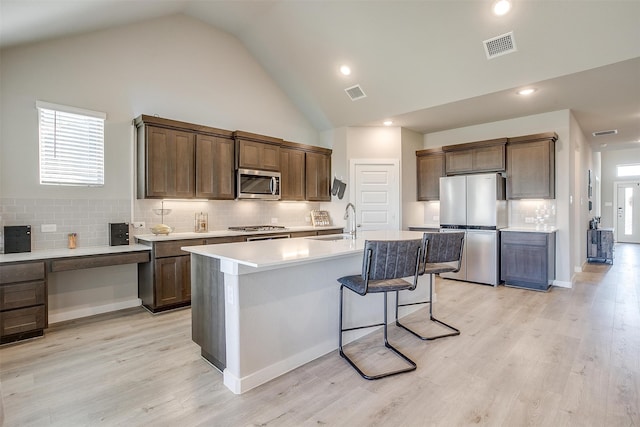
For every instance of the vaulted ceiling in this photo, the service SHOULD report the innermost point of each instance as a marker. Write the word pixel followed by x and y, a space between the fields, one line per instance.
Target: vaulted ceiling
pixel 421 64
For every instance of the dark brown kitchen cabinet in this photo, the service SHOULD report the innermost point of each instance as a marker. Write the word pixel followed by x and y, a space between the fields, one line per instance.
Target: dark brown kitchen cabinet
pixel 293 174
pixel 318 174
pixel 167 157
pixel 430 167
pixel 531 166
pixel 165 282
pixel 215 173
pixel 257 151
pixel 475 157
pixel 23 301
pixel 184 160
pixel 527 259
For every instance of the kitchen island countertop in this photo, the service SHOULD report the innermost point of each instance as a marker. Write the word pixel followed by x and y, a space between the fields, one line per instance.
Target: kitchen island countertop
pixel 263 308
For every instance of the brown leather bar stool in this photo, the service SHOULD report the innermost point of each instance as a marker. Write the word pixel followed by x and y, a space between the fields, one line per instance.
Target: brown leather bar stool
pixel 384 265
pixel 442 254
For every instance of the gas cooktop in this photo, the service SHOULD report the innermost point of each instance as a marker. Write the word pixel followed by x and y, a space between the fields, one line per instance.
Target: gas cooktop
pixel 257 228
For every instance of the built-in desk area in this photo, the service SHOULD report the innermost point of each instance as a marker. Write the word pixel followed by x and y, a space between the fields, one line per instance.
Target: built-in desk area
pixel 24 282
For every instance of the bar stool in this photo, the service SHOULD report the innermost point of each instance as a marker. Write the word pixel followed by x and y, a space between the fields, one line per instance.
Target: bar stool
pixel 384 265
pixel 439 249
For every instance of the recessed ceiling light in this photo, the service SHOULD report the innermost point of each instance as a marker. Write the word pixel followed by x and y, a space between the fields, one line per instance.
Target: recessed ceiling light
pixel 501 7
pixel 345 70
pixel 527 91
pixel 387 123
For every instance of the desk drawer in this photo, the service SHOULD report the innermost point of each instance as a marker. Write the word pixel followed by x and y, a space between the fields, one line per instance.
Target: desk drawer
pixel 21 295
pixel 22 320
pixel 23 272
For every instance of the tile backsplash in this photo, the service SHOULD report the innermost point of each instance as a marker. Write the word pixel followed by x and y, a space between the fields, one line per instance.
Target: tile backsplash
pixel 532 213
pixel 90 218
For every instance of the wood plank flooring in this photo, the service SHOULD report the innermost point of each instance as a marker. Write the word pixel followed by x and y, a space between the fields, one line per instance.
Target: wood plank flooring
pixel 569 357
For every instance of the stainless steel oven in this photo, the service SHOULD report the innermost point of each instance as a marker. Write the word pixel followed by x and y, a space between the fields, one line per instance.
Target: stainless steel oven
pixel 258 184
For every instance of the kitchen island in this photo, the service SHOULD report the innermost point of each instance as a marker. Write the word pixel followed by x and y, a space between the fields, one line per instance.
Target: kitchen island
pixel 261 309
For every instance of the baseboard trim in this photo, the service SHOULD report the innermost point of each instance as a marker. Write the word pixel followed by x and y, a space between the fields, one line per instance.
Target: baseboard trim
pixel 90 311
pixel 562 284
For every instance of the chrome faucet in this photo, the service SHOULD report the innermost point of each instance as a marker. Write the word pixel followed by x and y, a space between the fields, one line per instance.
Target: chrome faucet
pixel 352 224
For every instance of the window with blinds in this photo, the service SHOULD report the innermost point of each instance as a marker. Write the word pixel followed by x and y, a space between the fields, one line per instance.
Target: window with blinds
pixel 71 145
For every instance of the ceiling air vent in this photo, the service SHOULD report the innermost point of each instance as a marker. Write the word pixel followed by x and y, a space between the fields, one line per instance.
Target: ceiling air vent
pixel 355 92
pixel 500 45
pixel 605 132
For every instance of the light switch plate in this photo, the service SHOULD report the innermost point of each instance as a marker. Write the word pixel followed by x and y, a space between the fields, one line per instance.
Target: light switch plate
pixel 48 228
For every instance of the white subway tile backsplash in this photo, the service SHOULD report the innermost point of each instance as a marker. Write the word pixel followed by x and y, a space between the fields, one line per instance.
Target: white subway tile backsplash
pixel 89 218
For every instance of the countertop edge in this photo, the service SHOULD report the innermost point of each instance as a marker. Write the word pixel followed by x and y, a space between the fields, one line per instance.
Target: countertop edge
pixel 48 254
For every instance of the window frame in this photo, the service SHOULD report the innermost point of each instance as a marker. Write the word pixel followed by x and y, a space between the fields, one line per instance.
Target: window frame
pixel 90 126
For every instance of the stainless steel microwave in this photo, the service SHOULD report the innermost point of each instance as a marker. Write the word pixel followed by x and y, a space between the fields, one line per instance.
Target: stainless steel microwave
pixel 258 184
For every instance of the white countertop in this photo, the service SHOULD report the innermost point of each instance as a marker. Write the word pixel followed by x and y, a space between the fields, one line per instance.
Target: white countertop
pixel 531 229
pixel 227 233
pixel 281 252
pixel 67 253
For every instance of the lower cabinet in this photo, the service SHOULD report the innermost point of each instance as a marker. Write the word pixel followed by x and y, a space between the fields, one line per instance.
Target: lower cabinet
pixel 23 301
pixel 165 282
pixel 528 259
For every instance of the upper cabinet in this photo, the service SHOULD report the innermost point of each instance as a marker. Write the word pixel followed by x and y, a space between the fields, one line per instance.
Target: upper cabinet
pixel 293 174
pixel 430 167
pixel 215 172
pixel 473 157
pixel 531 166
pixel 167 165
pixel 306 172
pixel 257 151
pixel 318 174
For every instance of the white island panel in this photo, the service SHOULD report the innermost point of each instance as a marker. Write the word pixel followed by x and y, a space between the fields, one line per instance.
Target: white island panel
pixel 281 302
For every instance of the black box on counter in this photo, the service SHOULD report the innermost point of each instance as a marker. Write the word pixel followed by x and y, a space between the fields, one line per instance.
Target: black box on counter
pixel 118 233
pixel 17 238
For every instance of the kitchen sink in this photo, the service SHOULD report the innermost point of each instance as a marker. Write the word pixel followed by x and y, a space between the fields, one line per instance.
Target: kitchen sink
pixel 332 237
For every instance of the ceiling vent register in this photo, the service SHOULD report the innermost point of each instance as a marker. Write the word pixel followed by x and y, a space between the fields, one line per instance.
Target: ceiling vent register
pixel 355 92
pixel 606 132
pixel 500 45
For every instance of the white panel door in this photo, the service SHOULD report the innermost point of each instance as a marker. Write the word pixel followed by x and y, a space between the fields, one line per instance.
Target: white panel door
pixel 628 213
pixel 377 196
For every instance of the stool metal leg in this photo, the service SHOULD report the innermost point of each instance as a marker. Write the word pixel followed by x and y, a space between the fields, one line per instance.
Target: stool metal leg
pixel 412 364
pixel 454 330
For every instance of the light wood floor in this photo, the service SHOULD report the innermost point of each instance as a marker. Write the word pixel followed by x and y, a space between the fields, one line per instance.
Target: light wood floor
pixel 569 357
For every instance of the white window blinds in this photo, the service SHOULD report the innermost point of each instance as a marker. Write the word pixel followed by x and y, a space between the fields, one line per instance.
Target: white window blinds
pixel 71 145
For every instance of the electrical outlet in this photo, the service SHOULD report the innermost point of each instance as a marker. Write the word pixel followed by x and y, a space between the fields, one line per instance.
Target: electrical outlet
pixel 528 220
pixel 307 218
pixel 274 220
pixel 48 228
pixel 435 218
pixel 138 224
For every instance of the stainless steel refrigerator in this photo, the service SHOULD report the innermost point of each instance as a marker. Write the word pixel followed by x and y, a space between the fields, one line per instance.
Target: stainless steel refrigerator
pixel 477 205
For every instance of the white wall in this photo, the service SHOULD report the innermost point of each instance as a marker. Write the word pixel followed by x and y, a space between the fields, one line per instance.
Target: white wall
pixel 412 211
pixel 610 160
pixel 175 67
pixel 557 121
